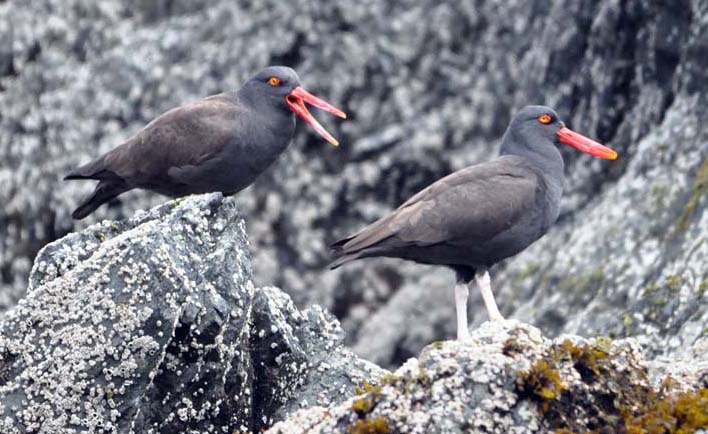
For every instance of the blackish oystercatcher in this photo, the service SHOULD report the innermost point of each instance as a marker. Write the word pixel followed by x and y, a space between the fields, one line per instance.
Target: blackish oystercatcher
pixel 477 216
pixel 219 143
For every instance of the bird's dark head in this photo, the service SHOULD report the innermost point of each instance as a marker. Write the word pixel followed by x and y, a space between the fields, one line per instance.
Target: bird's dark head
pixel 536 127
pixel 280 87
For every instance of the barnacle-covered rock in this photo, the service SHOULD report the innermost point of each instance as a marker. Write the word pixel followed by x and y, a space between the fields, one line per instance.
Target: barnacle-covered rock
pixel 431 87
pixel 509 378
pixel 152 325
pixel 299 360
pixel 140 326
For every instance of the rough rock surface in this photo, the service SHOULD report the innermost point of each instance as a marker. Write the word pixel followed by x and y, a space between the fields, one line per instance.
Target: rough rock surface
pixel 508 378
pixel 153 325
pixel 429 89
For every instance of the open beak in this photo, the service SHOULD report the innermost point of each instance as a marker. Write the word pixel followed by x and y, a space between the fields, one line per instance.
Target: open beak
pixel 583 144
pixel 296 100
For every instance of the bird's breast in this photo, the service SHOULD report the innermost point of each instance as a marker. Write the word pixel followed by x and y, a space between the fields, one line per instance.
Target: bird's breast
pixel 254 149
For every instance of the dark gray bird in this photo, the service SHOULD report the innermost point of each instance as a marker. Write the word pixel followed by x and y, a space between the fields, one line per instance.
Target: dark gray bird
pixel 219 143
pixel 477 216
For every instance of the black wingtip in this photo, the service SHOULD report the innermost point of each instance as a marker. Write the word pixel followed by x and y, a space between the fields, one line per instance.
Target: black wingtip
pixel 341 261
pixel 339 245
pixel 76 174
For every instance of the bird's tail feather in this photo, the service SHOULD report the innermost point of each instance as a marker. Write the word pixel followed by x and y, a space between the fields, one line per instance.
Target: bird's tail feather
pixel 104 192
pixel 341 260
pixel 341 256
pixel 94 170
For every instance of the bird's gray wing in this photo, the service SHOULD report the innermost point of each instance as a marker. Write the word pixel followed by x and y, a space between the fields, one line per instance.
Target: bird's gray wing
pixel 182 137
pixel 472 204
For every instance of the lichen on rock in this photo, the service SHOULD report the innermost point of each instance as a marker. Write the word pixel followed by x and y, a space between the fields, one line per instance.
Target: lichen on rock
pixel 509 378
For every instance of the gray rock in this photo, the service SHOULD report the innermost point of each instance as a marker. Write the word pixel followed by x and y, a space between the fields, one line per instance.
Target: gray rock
pixel 509 378
pixel 429 89
pixel 137 327
pixel 153 325
pixel 299 359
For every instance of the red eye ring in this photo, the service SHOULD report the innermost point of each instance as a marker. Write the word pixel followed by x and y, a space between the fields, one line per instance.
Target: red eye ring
pixel 545 119
pixel 274 81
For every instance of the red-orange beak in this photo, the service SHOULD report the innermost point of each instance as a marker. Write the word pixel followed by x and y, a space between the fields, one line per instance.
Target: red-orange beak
pixel 296 100
pixel 583 144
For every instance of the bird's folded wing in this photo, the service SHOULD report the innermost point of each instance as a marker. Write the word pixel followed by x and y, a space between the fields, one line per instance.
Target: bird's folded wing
pixel 183 136
pixel 475 203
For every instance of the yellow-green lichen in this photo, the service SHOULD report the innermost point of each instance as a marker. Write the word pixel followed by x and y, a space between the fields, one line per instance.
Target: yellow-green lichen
pixel 616 402
pixel 702 288
pixel 627 322
pixel 362 405
pixel 541 381
pixel 659 193
pixel 390 378
pixel 437 345
pixel 367 387
pixel 681 413
pixel 368 394
pixel 582 284
pixel 651 289
pixel 586 359
pixel 673 282
pixel 422 377
pixel 700 189
pixel 377 425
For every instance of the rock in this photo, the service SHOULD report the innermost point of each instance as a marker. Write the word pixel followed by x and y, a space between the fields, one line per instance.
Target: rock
pixel 509 378
pixel 299 358
pixel 429 89
pixel 153 325
pixel 134 327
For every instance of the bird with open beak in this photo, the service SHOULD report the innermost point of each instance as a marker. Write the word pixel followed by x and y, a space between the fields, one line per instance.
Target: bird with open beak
pixel 477 216
pixel 219 143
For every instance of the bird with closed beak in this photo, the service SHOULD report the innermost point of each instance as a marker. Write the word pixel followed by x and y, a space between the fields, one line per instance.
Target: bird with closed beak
pixel 477 216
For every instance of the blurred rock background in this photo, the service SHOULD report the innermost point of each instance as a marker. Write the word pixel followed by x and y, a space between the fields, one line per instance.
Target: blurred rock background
pixel 430 88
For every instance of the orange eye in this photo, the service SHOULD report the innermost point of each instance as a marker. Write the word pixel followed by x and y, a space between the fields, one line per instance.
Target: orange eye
pixel 274 81
pixel 545 119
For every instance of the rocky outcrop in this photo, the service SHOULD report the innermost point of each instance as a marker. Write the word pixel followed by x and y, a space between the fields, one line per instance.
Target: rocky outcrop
pixel 153 325
pixel 508 378
pixel 429 89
